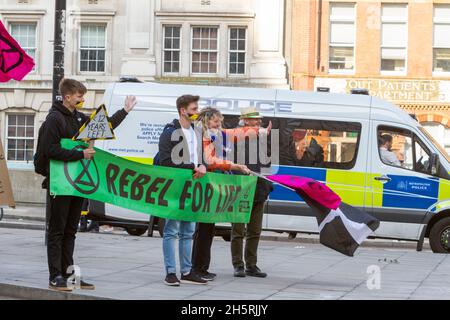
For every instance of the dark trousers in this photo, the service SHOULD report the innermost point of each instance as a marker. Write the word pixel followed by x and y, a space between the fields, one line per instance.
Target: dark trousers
pixel 65 212
pixel 252 233
pixel 201 249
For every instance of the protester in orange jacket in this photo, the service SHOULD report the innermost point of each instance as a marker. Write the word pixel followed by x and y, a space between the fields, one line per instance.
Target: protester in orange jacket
pixel 215 141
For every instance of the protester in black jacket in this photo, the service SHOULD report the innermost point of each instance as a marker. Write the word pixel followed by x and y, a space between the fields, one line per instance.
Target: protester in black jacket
pixel 167 144
pixel 64 121
pixel 180 146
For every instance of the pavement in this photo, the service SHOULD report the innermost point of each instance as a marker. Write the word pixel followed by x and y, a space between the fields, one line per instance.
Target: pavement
pixel 127 267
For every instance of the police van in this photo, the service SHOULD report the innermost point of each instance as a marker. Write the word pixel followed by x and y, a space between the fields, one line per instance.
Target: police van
pixel 333 138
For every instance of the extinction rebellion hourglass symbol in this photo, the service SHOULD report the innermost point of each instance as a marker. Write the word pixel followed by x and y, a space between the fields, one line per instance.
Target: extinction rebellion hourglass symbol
pixel 87 181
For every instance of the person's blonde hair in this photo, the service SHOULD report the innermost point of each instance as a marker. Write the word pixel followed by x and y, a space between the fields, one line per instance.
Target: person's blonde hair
pixel 206 115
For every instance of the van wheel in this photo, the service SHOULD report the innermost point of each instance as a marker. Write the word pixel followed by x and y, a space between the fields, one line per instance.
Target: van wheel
pixel 136 231
pixel 440 236
pixel 224 233
pixel 161 223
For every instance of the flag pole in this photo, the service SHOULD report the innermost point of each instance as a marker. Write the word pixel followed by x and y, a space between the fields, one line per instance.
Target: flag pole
pixel 265 178
pixel 58 71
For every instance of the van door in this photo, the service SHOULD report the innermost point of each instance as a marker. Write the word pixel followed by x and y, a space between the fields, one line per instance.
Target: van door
pixel 401 182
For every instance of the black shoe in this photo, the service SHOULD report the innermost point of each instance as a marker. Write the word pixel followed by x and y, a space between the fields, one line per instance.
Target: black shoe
pixel 239 272
pixel 59 284
pixel 255 272
pixel 208 276
pixel 192 278
pixel 172 280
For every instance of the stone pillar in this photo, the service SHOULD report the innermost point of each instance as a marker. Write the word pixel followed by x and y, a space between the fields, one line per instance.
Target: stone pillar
pixel 268 64
pixel 139 59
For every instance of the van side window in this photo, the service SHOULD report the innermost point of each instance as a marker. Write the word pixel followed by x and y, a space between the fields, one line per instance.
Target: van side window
pixel 318 143
pixel 395 147
pixel 401 148
pixel 422 157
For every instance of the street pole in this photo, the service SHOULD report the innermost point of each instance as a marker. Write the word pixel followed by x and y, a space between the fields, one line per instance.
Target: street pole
pixel 58 72
pixel 59 43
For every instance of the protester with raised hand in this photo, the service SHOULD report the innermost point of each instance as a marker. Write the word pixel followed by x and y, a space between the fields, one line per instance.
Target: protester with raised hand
pixel 251 231
pixel 64 121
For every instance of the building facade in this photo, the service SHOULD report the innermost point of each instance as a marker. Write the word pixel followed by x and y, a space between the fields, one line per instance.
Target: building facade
pixel 192 41
pixel 398 50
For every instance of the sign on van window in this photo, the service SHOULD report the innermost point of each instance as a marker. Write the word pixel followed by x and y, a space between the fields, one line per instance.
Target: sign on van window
pixel 150 132
pixel 316 143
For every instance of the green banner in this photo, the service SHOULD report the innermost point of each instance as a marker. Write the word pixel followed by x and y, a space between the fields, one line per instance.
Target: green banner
pixel 160 191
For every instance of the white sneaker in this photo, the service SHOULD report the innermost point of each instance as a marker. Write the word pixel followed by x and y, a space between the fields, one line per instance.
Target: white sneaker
pixel 106 229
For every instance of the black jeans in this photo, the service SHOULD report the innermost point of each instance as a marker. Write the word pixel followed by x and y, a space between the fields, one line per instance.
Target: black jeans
pixel 201 249
pixel 65 212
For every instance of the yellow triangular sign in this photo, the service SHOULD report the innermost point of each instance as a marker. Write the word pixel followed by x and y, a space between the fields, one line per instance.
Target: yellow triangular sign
pixel 97 127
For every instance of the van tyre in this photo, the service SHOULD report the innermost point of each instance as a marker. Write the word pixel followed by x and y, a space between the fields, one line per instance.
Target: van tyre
pixel 136 231
pixel 440 236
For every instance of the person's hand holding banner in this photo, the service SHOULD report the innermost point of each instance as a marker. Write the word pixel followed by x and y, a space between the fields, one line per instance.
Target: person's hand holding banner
pixel 200 171
pixel 88 153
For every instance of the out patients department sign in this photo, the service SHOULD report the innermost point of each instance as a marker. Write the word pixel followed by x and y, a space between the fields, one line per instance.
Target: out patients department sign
pixel 395 90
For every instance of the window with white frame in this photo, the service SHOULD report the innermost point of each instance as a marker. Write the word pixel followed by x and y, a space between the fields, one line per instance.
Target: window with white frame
pixel 25 34
pixel 204 50
pixel 92 48
pixel 394 37
pixel 342 36
pixel 441 41
pixel 237 50
pixel 172 46
pixel 20 137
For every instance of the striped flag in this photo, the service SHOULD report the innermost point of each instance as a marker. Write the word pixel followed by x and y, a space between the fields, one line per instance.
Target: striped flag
pixel 341 226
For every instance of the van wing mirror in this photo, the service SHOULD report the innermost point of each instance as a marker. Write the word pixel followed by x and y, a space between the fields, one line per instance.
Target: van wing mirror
pixel 434 160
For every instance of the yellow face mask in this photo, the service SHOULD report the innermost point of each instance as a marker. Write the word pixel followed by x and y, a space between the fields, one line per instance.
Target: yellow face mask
pixel 193 117
pixel 79 105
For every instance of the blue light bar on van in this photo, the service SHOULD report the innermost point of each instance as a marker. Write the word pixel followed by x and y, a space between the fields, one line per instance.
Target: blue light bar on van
pixel 129 79
pixel 360 91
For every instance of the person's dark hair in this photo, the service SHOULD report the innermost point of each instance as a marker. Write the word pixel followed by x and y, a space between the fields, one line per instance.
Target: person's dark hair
pixel 70 86
pixel 185 100
pixel 385 138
